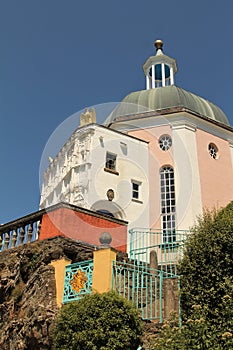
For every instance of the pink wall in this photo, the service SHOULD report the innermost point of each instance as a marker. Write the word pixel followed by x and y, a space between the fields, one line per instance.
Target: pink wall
pixel 216 175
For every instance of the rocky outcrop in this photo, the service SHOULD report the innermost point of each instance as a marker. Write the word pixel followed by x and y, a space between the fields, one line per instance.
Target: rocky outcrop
pixel 28 305
pixel 28 291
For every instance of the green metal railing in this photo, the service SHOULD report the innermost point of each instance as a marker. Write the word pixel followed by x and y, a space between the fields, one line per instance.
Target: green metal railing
pixel 143 286
pixel 139 282
pixel 167 245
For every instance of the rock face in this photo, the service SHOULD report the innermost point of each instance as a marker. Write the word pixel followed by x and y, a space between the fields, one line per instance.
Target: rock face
pixel 28 291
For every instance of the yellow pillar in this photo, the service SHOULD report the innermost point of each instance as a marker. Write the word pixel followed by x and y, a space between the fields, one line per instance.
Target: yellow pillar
pixel 60 267
pixel 102 272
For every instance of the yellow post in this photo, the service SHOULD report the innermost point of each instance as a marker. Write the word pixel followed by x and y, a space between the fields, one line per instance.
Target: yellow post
pixel 60 267
pixel 102 272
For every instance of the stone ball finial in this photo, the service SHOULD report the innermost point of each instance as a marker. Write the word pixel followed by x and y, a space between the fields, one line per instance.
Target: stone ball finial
pixel 158 44
pixel 105 239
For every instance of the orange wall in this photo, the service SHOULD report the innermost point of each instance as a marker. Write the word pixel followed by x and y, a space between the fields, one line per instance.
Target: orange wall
pixel 81 226
pixel 216 175
pixel 157 159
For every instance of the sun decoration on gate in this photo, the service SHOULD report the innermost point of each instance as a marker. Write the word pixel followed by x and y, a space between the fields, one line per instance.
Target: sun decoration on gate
pixel 78 281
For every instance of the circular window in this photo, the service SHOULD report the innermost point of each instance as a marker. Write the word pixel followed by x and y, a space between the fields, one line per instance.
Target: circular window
pixel 165 142
pixel 213 150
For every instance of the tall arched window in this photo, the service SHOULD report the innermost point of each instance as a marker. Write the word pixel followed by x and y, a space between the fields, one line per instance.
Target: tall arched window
pixel 168 204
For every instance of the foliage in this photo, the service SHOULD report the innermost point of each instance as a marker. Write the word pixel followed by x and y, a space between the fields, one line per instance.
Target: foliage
pixel 98 322
pixel 207 265
pixel 206 288
pixel 196 333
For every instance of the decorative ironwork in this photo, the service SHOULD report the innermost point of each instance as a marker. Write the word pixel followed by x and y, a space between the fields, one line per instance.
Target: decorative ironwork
pixel 78 280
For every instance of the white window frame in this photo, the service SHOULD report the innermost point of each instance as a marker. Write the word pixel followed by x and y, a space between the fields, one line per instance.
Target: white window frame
pixel 168 204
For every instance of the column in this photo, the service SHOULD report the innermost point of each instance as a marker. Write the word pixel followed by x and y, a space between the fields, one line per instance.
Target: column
pixel 102 273
pixel 163 75
pixel 147 82
pixel 171 76
pixel 153 76
pixel 60 268
pixel 187 178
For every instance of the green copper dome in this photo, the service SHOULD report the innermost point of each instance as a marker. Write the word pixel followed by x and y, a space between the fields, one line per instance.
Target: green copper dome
pixel 167 97
pixel 162 95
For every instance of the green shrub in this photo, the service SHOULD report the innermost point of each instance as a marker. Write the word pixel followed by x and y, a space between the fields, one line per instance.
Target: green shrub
pixel 206 273
pixel 98 322
pixel 207 266
pixel 196 333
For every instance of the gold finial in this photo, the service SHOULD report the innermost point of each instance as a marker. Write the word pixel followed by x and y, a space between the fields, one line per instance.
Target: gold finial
pixel 158 44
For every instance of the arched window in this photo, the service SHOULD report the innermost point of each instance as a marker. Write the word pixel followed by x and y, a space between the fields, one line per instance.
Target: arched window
pixel 168 204
pixel 106 212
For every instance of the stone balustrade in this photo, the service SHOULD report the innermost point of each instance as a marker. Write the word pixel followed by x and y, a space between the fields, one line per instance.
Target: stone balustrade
pixel 20 231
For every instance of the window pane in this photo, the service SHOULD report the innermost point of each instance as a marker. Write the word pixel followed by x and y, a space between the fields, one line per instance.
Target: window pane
pixel 110 161
pixel 135 190
pixel 168 208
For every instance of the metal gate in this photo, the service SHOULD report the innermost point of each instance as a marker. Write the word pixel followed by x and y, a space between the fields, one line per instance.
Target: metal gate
pixel 143 286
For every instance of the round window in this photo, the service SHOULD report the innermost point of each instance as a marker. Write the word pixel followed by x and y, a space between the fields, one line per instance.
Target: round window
pixel 165 142
pixel 213 150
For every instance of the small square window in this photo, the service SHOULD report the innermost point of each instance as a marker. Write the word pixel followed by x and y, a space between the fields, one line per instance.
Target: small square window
pixel 110 161
pixel 136 190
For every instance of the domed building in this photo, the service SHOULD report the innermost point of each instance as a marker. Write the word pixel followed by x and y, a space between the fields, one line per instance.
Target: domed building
pixel 160 158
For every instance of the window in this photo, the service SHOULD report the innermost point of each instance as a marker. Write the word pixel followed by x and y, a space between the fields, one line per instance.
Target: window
pixel 213 150
pixel 110 161
pixel 168 205
pixel 105 212
pixel 165 142
pixel 136 189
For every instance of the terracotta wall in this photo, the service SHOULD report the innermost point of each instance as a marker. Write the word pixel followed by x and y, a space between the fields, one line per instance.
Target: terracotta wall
pixel 82 226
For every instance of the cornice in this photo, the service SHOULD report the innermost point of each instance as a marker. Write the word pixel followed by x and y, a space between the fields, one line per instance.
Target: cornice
pixel 183 124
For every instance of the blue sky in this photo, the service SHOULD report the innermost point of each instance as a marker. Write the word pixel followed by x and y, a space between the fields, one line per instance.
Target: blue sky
pixel 58 57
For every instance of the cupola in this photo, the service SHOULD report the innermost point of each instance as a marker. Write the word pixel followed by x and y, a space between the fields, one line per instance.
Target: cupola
pixel 162 95
pixel 159 69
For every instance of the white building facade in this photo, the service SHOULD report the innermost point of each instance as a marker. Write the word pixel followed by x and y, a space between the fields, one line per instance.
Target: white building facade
pixel 102 170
